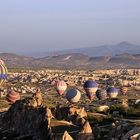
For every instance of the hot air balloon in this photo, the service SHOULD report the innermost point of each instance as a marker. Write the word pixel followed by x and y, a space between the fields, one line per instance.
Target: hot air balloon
pixel 3 72
pixel 101 94
pixel 12 96
pixel 112 92
pixel 61 86
pixel 73 95
pixel 90 87
pixel 1 62
pixel 123 90
pixel 110 82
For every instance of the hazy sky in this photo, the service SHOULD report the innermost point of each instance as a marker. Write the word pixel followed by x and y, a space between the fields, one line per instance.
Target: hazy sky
pixel 41 25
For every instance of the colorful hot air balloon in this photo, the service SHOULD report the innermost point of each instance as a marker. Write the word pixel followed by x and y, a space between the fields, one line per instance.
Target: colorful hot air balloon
pixel 123 90
pixel 112 92
pixel 90 87
pixel 101 94
pixel 12 96
pixel 3 72
pixel 73 95
pixel 61 86
pixel 1 62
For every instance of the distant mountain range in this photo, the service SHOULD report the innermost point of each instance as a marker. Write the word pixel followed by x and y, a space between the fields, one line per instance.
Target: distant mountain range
pixel 73 61
pixel 106 50
pixel 122 55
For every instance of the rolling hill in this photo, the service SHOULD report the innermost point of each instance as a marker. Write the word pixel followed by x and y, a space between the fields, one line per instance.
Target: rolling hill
pixel 74 61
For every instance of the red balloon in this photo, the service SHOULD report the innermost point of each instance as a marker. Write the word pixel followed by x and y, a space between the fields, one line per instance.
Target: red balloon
pixel 123 90
pixel 90 96
pixel 12 97
pixel 61 86
pixel 1 62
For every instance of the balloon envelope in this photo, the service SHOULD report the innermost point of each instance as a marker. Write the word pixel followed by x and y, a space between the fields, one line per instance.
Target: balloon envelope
pixel 110 82
pixel 90 87
pixel 90 84
pixel 73 95
pixel 112 92
pixel 12 96
pixel 90 96
pixel 1 62
pixel 61 86
pixel 3 72
pixel 101 94
pixel 123 90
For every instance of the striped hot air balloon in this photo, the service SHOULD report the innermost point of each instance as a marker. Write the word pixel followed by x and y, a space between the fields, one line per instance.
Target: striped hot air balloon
pixel 1 62
pixel 112 92
pixel 123 90
pixel 73 95
pixel 61 87
pixel 12 96
pixel 90 87
pixel 101 94
pixel 3 72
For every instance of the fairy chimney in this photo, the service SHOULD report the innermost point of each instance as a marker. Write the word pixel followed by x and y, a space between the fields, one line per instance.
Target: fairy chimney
pixel 86 132
pixel 38 96
pixel 66 136
pixel 86 128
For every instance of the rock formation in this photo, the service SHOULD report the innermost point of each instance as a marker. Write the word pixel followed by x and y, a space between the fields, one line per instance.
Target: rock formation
pixel 66 136
pixel 86 128
pixel 25 118
pixel 49 116
pixel 72 114
pixel 38 97
pixel 86 132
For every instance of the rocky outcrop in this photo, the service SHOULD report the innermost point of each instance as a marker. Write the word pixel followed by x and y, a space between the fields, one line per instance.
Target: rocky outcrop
pixel 86 132
pixel 26 119
pixel 66 136
pixel 38 96
pixel 80 112
pixel 133 134
pixel 86 128
pixel 62 112
pixel 124 131
pixel 76 115
pixel 49 116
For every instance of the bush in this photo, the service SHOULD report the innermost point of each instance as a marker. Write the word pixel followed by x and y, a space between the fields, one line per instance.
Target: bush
pixel 117 107
pixel 135 112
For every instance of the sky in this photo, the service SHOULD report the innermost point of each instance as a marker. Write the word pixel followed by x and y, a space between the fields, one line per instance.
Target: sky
pixel 51 25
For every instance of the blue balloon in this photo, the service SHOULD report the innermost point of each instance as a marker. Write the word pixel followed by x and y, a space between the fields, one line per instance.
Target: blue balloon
pixel 90 84
pixel 112 92
pixel 3 76
pixel 73 95
pixel 90 87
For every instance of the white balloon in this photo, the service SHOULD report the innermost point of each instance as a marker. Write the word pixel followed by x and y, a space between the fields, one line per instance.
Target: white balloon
pixel 73 95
